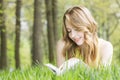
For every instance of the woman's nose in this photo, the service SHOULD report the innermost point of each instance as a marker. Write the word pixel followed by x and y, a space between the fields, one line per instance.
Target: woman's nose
pixel 73 34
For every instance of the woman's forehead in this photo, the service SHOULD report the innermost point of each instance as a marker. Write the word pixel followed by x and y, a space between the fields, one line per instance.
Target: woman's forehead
pixel 68 24
pixel 71 24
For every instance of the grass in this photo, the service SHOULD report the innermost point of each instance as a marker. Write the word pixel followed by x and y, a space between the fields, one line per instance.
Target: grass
pixel 43 73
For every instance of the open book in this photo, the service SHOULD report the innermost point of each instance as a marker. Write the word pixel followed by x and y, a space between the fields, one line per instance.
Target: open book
pixel 67 65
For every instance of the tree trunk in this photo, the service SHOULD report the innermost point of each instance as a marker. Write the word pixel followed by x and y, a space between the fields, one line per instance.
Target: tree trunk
pixel 17 32
pixel 50 29
pixel 55 20
pixel 37 33
pixel 0 48
pixel 55 23
pixel 3 57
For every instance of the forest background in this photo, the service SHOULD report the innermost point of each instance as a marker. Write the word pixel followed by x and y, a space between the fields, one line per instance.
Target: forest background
pixel 29 30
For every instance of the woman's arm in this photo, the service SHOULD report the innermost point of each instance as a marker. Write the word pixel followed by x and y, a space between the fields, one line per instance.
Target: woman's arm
pixel 106 53
pixel 60 57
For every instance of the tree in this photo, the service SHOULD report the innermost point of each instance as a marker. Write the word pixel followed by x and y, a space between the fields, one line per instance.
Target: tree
pixel 0 49
pixel 50 29
pixel 3 46
pixel 55 22
pixel 55 19
pixel 37 33
pixel 17 32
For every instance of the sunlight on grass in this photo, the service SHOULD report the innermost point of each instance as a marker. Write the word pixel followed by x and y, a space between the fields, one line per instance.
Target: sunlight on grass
pixel 43 73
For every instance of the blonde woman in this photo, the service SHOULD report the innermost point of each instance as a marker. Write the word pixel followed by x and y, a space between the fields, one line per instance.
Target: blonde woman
pixel 80 39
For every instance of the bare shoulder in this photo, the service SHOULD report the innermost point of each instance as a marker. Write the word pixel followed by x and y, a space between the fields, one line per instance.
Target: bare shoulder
pixel 60 43
pixel 106 52
pixel 60 57
pixel 105 44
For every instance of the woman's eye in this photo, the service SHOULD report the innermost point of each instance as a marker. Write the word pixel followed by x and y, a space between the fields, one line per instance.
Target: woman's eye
pixel 68 31
pixel 76 29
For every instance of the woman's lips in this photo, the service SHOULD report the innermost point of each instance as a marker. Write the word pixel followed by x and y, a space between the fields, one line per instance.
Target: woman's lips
pixel 77 39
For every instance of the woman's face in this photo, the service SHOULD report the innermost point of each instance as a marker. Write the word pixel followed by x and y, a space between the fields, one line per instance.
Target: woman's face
pixel 74 34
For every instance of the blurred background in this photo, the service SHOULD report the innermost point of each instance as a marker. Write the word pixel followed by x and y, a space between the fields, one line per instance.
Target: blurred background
pixel 30 29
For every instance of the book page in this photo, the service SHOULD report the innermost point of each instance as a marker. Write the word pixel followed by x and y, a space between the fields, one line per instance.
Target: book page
pixel 69 64
pixel 53 68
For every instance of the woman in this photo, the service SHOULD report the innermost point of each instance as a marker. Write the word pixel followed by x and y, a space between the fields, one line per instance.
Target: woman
pixel 80 39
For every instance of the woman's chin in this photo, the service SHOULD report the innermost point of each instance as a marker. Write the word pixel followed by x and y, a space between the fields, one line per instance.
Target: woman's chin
pixel 79 43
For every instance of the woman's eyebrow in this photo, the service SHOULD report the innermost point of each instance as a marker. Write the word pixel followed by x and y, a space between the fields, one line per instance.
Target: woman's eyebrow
pixel 68 28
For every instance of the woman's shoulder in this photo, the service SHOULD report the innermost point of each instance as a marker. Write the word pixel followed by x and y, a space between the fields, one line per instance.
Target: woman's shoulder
pixel 61 42
pixel 104 43
pixel 60 48
pixel 106 52
pixel 105 47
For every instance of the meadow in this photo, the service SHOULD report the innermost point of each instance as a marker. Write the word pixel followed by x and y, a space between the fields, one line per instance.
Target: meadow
pixel 80 73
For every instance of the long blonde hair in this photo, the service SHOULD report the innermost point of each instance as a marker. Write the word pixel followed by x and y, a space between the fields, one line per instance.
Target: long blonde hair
pixel 81 19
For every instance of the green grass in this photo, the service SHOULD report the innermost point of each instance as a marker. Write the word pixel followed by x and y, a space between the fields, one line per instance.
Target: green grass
pixel 80 73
